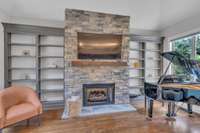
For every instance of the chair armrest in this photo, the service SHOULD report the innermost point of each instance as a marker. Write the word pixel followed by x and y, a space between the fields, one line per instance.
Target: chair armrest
pixel 2 111
pixel 34 100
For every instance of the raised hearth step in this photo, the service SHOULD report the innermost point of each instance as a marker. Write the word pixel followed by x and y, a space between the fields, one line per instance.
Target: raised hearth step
pixel 105 109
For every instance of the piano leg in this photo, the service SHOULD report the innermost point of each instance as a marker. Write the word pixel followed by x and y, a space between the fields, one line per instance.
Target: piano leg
pixel 145 103
pixel 150 107
pixel 189 106
pixel 171 109
pixel 163 104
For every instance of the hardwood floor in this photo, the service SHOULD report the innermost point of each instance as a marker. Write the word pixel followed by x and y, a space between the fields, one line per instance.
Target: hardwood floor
pixel 126 122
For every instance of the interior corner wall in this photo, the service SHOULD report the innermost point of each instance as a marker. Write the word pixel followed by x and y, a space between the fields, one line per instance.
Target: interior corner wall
pixel 3 18
pixel 1 57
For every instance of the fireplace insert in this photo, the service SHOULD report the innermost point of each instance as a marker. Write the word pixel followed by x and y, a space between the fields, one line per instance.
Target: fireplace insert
pixel 98 94
pixel 99 46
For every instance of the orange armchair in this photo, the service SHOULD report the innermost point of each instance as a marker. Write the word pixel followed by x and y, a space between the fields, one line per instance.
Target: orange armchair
pixel 18 103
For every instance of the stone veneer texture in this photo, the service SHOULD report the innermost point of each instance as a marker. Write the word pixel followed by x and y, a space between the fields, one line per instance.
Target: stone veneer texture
pixel 92 22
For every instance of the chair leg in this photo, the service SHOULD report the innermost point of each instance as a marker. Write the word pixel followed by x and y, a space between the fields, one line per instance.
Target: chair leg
pixel 39 120
pixel 28 122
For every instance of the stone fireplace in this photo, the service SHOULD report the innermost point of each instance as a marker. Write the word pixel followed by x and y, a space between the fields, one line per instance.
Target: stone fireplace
pixel 96 53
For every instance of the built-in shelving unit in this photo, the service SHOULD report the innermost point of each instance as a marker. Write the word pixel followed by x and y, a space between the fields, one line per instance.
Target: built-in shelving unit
pixel 34 57
pixel 51 68
pixel 136 67
pixel 145 63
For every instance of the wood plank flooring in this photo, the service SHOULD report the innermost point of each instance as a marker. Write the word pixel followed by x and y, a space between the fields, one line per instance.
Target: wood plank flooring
pixel 126 122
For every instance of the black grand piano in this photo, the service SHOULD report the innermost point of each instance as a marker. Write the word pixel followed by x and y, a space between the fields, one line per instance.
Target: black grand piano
pixel 175 88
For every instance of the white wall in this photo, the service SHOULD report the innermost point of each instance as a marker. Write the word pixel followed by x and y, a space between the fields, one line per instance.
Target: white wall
pixel 175 11
pixel 185 27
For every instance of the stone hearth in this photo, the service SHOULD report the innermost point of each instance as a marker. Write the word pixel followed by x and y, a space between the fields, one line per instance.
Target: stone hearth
pixel 78 21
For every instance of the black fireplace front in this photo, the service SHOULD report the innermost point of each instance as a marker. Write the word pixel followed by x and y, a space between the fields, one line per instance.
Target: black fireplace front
pixel 98 94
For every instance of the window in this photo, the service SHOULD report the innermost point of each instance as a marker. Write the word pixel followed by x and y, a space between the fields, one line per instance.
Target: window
pixel 187 46
pixel 198 47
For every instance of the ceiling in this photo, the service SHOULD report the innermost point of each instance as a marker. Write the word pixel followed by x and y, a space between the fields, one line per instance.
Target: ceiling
pixel 145 14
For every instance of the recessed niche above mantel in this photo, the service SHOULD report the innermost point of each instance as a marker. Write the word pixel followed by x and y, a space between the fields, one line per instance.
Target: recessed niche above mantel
pixel 99 46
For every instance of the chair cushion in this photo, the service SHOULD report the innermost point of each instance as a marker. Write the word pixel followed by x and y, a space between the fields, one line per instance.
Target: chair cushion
pixel 20 112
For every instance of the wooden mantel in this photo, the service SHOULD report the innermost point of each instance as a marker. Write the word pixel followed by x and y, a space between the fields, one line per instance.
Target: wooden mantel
pixel 82 63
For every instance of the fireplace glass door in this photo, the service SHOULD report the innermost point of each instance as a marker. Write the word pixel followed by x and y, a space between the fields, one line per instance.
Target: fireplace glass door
pixel 98 94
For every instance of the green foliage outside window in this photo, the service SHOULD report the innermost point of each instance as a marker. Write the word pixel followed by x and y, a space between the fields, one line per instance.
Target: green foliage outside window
pixel 189 47
pixel 184 47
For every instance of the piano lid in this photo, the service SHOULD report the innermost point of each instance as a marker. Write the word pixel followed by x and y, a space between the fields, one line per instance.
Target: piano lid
pixel 174 57
pixel 177 59
pixel 190 66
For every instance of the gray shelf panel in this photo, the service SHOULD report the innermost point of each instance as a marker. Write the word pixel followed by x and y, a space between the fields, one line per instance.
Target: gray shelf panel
pixel 133 49
pixel 51 45
pixel 56 79
pixel 52 68
pixel 53 102
pixel 22 56
pixel 51 56
pixel 136 78
pixel 152 50
pixel 141 59
pixel 154 68
pixel 52 90
pixel 154 59
pixel 20 68
pixel 22 80
pixel 22 44
pixel 51 105
pixel 131 68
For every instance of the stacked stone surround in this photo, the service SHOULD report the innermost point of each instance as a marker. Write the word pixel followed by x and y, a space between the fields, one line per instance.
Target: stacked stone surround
pixel 92 22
